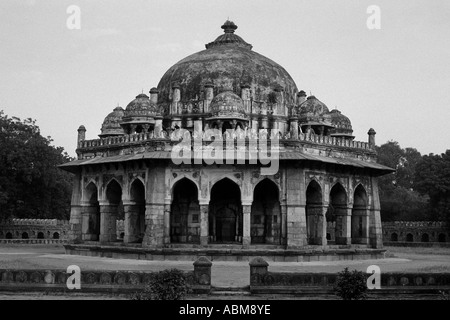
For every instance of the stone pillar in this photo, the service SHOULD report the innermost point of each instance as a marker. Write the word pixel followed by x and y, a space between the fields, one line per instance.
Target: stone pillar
pixel 316 225
pixel 258 269
pixel 296 202
pixel 108 217
pixel 283 223
pixel 343 226
pixel 246 215
pixel 167 211
pixel 90 223
pixel 154 96
pixel 323 227
pixel 360 226
pixel 204 224
pixel 81 134
pixel 176 97
pixel 371 134
pixel 154 220
pixel 75 210
pixel 131 222
pixel 293 128
pixel 375 231
pixel 209 95
pixel 158 126
pixel 198 125
pixel 202 275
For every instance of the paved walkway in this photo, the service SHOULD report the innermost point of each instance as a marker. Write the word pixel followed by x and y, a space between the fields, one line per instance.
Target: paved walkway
pixel 224 274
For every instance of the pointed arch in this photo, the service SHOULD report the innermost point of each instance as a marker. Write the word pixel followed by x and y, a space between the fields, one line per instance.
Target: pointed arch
pixel 266 213
pixel 314 213
pixel 90 228
pixel 91 193
pixel 135 214
pixel 225 212
pixel 336 215
pixel 185 212
pixel 360 216
pixel 113 192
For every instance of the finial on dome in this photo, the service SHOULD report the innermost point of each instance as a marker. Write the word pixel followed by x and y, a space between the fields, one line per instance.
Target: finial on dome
pixel 229 26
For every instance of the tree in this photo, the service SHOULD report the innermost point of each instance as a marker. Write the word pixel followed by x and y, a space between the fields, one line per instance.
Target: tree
pixel 432 178
pixel 399 200
pixel 351 285
pixel 31 185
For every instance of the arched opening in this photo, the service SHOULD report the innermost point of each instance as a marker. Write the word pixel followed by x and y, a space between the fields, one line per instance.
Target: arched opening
pixel 425 237
pixel 135 214
pixel 409 237
pixel 394 237
pixel 55 235
pixel 111 212
pixel 25 235
pixel 314 213
pixel 226 125
pixel 185 213
pixel 441 237
pixel 9 235
pixel 266 214
pixel 337 215
pixel 225 212
pixel 40 235
pixel 359 219
pixel 91 214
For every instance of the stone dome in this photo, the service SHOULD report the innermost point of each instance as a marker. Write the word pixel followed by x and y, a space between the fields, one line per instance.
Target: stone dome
pixel 313 106
pixel 111 124
pixel 342 125
pixel 227 105
pixel 228 62
pixel 141 107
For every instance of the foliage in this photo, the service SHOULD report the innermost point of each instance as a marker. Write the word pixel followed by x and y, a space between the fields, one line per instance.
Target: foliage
pixel 432 178
pixel 351 285
pixel 399 200
pixel 31 185
pixel 164 285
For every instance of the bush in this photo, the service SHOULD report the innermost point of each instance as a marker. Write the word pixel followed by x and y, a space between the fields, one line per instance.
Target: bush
pixel 164 285
pixel 351 285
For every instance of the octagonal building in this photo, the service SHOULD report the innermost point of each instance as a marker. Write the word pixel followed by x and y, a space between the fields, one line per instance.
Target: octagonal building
pixel 322 199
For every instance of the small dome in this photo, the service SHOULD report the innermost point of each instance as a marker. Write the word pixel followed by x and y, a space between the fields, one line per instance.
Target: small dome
pixel 313 106
pixel 140 107
pixel 342 125
pixel 111 124
pixel 227 105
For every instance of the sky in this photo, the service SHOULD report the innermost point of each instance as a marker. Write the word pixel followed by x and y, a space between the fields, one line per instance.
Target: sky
pixel 395 79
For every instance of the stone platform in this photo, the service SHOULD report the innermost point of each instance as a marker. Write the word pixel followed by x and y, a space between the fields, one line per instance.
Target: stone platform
pixel 225 253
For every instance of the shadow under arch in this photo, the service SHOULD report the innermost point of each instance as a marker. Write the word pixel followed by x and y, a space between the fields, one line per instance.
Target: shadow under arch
pixel 266 214
pixel 90 216
pixel 225 212
pixel 360 217
pixel 185 213
pixel 314 213
pixel 336 215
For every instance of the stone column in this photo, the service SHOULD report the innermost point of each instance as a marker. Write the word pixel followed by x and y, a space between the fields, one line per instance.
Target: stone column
pixel 343 225
pixel 246 213
pixel 167 211
pixel 131 222
pixel 296 202
pixel 75 232
pixel 283 222
pixel 154 220
pixel 108 217
pixel 360 226
pixel 90 223
pixel 323 226
pixel 375 232
pixel 204 224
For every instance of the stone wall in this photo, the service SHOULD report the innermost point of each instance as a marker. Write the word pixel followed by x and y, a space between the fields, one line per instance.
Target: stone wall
pixel 34 229
pixel 415 231
pixel 264 281
pixel 98 281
